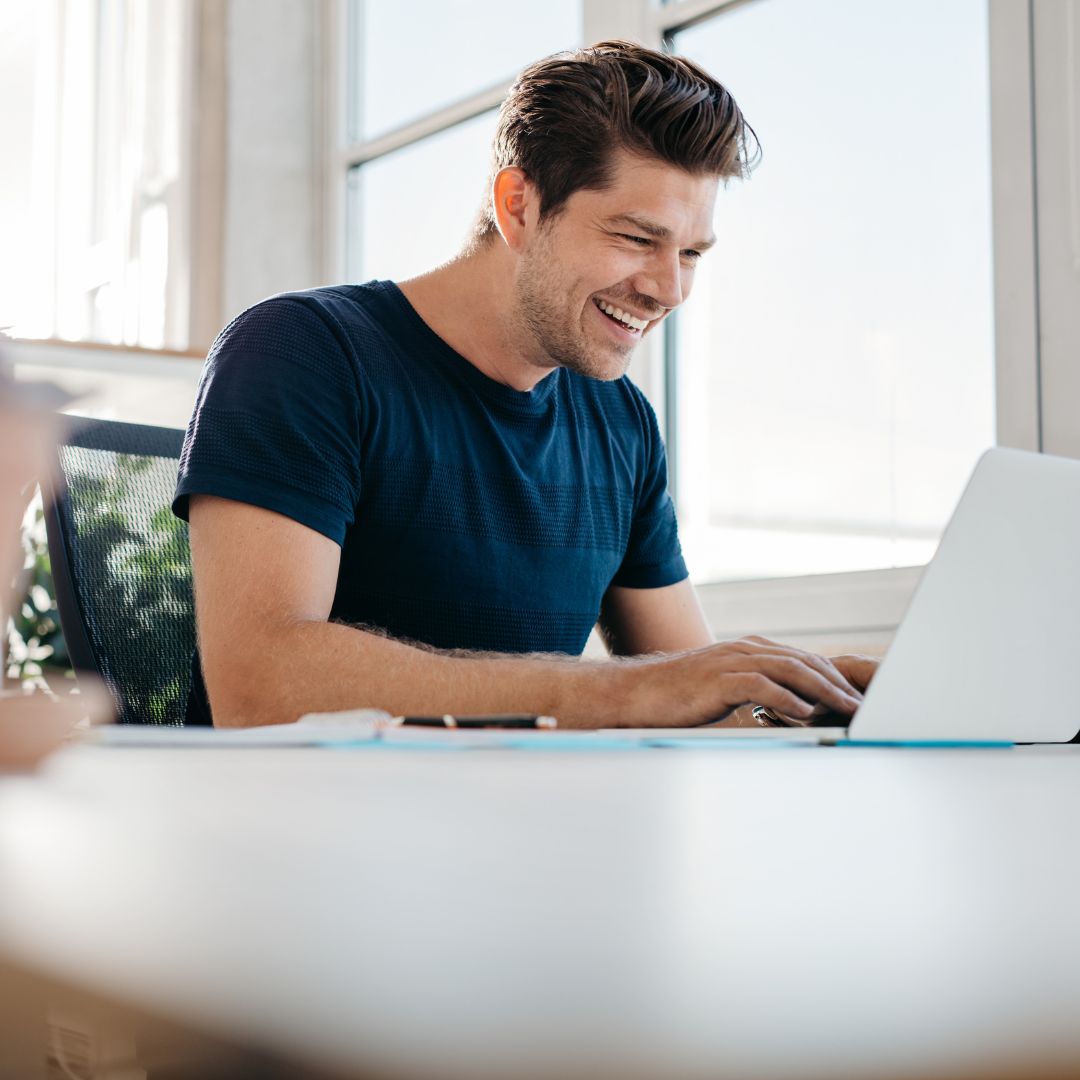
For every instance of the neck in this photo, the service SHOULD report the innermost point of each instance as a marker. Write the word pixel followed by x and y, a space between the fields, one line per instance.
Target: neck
pixel 469 303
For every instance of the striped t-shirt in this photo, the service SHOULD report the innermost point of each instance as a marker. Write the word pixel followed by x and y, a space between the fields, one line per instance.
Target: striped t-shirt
pixel 470 515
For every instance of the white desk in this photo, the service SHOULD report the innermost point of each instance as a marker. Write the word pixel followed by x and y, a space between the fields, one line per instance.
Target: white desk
pixel 779 913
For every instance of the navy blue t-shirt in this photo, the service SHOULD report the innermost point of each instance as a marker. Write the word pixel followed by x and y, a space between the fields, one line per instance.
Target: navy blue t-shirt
pixel 470 515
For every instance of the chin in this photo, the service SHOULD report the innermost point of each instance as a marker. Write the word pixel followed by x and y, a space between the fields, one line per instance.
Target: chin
pixel 604 369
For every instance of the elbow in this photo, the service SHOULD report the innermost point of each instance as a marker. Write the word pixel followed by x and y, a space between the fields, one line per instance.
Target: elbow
pixel 234 707
pixel 243 693
pixel 241 711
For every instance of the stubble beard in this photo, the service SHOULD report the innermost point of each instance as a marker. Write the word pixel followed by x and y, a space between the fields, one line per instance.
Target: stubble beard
pixel 557 332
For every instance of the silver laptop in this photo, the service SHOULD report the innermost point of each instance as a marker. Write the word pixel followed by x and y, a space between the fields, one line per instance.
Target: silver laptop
pixel 989 650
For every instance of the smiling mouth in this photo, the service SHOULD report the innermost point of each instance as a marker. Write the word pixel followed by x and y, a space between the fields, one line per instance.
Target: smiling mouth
pixel 621 318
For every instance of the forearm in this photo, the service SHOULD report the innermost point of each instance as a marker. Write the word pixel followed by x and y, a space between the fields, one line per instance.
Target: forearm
pixel 308 665
pixel 315 666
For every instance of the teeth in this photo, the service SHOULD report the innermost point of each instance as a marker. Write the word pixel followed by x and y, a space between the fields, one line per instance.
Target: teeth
pixel 622 316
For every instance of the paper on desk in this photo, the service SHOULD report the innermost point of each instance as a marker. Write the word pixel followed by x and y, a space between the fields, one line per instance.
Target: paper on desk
pixel 315 729
pixel 373 728
pixel 563 740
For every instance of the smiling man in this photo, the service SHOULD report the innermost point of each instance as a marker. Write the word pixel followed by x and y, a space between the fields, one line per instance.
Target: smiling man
pixel 423 496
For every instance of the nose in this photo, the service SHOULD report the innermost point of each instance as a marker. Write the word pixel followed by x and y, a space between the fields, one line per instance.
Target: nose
pixel 662 279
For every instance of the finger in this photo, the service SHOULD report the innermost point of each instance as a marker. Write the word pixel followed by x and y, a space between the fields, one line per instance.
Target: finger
pixel 808 682
pixel 823 665
pixel 858 670
pixel 756 687
pixel 767 717
pixel 753 643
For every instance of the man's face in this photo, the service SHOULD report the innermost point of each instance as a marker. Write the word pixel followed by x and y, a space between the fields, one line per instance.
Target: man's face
pixel 606 270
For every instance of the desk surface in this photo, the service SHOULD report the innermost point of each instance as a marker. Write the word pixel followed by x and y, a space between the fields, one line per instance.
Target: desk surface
pixel 731 912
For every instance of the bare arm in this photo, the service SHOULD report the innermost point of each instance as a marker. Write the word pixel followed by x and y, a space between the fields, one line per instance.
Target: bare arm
pixel 670 620
pixel 264 587
pixel 666 620
pixel 637 622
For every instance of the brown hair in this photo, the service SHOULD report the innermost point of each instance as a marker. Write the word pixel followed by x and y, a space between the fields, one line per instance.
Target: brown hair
pixel 565 116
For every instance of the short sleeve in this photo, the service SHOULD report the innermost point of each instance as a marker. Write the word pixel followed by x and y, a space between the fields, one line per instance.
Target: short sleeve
pixel 653 556
pixel 278 418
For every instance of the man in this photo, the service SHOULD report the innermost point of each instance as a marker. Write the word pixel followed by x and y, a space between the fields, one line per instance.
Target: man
pixel 422 497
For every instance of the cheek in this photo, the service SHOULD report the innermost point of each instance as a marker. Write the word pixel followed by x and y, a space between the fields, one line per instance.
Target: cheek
pixel 619 271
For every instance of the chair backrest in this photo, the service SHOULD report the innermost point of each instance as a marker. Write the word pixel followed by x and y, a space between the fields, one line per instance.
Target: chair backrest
pixel 122 566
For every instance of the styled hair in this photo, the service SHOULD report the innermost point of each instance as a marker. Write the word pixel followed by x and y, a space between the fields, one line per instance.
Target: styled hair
pixel 567 115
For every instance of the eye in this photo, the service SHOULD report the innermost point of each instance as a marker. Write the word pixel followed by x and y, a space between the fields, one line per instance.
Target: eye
pixel 691 255
pixel 640 241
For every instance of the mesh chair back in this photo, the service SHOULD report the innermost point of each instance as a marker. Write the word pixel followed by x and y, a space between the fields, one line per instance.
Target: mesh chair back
pixel 122 566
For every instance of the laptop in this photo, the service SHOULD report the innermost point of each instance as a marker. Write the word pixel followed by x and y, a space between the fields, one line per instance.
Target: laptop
pixel 989 649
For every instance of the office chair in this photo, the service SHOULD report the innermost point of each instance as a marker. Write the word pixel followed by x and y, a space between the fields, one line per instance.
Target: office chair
pixel 122 566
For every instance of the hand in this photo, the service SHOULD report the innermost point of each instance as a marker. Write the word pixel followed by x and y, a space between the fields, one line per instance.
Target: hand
pixel 704 685
pixel 858 670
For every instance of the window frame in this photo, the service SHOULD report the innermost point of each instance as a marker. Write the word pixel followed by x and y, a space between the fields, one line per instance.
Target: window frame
pixel 1033 109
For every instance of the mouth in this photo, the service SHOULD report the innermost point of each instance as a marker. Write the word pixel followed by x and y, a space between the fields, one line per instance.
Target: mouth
pixel 629 325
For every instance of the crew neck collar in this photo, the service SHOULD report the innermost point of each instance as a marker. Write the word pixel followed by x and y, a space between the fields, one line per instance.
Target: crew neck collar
pixel 533 400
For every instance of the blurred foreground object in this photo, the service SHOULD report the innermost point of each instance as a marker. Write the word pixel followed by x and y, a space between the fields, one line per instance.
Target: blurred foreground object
pixel 33 725
pixel 30 727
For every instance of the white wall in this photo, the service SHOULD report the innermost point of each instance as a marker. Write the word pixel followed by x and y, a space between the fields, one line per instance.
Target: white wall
pixel 272 154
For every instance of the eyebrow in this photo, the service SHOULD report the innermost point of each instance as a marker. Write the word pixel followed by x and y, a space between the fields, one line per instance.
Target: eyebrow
pixel 652 228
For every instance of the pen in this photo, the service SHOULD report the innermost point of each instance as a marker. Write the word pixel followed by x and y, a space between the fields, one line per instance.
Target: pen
pixel 497 720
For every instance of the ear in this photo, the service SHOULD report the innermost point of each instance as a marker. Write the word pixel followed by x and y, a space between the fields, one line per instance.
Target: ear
pixel 513 200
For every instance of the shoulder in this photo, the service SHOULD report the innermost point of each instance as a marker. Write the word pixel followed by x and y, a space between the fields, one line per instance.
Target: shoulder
pixel 293 320
pixel 332 332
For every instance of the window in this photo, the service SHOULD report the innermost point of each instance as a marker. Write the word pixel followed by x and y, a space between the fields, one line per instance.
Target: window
pixel 410 58
pixel 430 217
pixel 835 369
pixel 94 190
pixel 423 80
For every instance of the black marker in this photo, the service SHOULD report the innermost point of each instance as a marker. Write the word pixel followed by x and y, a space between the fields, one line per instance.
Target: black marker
pixel 497 720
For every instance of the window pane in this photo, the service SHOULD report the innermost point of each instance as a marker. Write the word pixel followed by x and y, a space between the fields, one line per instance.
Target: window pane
pixel 411 58
pixel 413 209
pixel 93 194
pixel 835 365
